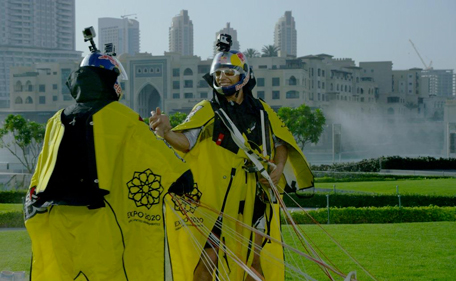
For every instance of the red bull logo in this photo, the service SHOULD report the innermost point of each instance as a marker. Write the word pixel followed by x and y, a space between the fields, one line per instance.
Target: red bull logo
pixel 111 59
pixel 241 56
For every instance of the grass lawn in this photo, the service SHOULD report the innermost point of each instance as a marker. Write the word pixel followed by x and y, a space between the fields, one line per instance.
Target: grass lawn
pixel 10 207
pixel 428 187
pixel 414 251
pixel 409 251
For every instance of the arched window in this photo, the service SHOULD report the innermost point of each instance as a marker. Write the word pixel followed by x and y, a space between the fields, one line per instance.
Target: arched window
pixel 292 81
pixel 29 99
pixel 28 86
pixel 18 100
pixel 18 86
pixel 188 72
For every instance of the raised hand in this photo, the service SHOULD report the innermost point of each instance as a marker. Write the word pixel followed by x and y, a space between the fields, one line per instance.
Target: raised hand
pixel 159 122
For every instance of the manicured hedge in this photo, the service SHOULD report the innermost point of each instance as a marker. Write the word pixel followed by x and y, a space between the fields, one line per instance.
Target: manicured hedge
pixel 375 215
pixel 12 196
pixel 11 219
pixel 319 200
pixel 390 162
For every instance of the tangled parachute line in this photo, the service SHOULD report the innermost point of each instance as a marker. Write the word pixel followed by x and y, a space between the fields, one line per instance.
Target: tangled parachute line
pixel 299 249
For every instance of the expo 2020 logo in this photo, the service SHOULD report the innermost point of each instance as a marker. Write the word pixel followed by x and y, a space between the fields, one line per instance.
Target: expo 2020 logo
pixel 145 188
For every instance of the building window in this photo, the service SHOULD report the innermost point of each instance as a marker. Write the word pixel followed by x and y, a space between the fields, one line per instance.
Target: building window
pixel 176 72
pixel 318 84
pixel 188 72
pixel 202 84
pixel 323 85
pixel 275 95
pixel 392 99
pixel 318 72
pixel 452 142
pixel 176 85
pixel 204 69
pixel 188 83
pixel 292 81
pixel 18 100
pixel 42 88
pixel 42 99
pixel 29 100
pixel 292 95
pixel 176 96
pixel 18 87
pixel 260 94
pixel 54 86
pixel 323 73
pixel 188 95
pixel 260 82
pixel 54 98
pixel 203 95
pixel 275 81
pixel 262 66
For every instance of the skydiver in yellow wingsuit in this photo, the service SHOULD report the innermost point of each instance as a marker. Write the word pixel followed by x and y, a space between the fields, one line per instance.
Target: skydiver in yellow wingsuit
pixel 230 186
pixel 94 209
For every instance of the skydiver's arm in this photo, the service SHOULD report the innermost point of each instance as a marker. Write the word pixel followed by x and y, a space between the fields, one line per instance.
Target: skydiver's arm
pixel 280 159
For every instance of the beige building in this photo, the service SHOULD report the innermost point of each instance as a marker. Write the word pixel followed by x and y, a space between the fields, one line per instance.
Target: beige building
pixel 350 98
pixel 38 91
pixel 449 121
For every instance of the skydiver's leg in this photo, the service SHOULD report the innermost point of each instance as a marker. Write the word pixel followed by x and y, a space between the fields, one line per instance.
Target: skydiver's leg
pixel 206 265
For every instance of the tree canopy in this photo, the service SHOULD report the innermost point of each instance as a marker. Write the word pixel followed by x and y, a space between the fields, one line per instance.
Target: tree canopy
pixel 177 118
pixel 270 51
pixel 305 124
pixel 23 138
pixel 251 53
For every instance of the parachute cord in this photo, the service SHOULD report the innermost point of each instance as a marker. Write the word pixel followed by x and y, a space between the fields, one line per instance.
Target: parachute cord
pixel 322 263
pixel 226 250
pixel 257 249
pixel 332 238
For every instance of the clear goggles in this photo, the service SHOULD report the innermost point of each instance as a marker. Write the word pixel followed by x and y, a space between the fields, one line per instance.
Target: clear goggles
pixel 228 72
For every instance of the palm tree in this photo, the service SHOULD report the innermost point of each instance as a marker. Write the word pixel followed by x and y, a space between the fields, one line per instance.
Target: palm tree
pixel 270 51
pixel 251 53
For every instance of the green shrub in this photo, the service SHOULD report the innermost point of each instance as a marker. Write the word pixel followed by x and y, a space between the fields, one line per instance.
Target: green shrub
pixel 319 200
pixel 12 196
pixel 375 215
pixel 11 219
pixel 390 162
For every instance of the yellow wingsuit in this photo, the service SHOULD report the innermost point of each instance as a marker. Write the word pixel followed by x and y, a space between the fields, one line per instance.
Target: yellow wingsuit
pixel 123 240
pixel 226 187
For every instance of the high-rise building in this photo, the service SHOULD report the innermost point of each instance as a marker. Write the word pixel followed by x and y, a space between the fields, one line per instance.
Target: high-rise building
pixel 123 33
pixel 230 31
pixel 285 35
pixel 441 81
pixel 34 31
pixel 181 34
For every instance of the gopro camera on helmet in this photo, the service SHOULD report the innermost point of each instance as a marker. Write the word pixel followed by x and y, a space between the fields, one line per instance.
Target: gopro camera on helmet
pixel 110 49
pixel 224 42
pixel 89 34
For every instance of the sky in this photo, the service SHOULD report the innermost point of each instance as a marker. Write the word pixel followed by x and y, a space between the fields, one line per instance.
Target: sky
pixel 363 30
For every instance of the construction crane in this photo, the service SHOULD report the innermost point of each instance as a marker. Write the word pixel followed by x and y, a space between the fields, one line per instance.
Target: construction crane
pixel 426 67
pixel 126 16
